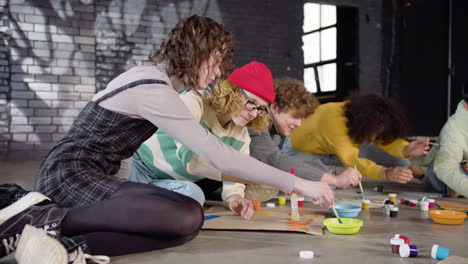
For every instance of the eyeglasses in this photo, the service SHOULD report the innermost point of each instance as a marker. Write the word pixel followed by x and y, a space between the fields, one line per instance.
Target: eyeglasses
pixel 251 106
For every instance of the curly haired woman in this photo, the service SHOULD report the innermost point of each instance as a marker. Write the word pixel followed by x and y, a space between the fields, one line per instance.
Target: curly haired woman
pixel 365 132
pixel 239 102
pixel 95 212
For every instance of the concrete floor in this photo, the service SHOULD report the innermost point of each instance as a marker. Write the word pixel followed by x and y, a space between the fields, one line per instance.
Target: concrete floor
pixel 370 245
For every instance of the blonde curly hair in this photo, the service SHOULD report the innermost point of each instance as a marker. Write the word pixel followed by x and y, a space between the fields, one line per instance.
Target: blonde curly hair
pixel 292 95
pixel 226 99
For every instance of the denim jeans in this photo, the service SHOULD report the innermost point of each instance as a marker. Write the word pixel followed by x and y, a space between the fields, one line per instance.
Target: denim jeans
pixel 140 173
pixel 367 151
pixel 436 183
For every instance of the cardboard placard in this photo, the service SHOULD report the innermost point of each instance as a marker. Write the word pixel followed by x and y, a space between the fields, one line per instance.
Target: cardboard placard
pixel 456 204
pixel 266 219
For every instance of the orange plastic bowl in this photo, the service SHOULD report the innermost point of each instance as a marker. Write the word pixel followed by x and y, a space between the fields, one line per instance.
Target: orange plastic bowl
pixel 447 217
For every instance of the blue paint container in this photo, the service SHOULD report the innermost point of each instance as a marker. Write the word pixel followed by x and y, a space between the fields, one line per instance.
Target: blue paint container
pixel 439 252
pixel 346 210
pixel 408 251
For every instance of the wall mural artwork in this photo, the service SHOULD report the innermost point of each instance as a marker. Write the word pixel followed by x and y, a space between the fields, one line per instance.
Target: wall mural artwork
pixel 57 54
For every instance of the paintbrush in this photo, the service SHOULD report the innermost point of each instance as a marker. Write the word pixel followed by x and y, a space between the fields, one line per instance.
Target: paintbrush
pixel 434 144
pixel 336 213
pixel 294 202
pixel 360 187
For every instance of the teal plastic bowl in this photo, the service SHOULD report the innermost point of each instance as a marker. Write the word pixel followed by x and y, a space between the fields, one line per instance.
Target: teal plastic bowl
pixel 346 210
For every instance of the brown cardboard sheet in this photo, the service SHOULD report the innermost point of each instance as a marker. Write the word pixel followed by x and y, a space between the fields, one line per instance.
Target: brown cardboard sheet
pixel 266 219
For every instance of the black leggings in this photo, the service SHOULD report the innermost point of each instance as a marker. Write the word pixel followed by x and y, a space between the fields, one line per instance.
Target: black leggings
pixel 136 218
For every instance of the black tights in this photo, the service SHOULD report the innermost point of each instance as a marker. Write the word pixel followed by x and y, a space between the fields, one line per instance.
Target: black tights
pixel 136 218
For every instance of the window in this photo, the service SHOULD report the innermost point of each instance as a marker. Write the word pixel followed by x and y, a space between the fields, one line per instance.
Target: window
pixel 320 48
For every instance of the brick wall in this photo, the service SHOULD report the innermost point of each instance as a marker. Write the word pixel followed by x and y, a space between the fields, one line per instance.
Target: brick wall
pixel 5 135
pixel 55 55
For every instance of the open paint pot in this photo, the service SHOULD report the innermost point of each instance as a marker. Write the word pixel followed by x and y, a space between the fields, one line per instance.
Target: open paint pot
pixel 394 212
pixel 387 208
pixel 396 243
pixel 447 217
pixel 348 227
pixel 365 204
pixel 392 197
pixel 346 210
pixel 408 251
pixel 282 200
pixel 431 203
pixel 300 201
pixel 424 205
pixel 439 252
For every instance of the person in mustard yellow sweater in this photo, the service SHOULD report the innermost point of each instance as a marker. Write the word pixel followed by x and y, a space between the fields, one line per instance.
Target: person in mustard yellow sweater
pixel 365 131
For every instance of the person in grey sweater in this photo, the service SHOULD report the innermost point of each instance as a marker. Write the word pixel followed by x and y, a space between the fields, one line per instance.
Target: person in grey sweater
pixel 293 103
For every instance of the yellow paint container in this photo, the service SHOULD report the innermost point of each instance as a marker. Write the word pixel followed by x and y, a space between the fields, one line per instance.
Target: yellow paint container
pixel 392 197
pixel 282 200
pixel 365 204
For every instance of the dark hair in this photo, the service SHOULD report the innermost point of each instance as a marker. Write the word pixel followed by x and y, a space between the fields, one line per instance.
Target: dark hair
pixel 191 42
pixel 368 114
pixel 292 95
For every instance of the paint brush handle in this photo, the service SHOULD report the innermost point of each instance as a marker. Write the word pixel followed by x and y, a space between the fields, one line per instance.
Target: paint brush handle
pixel 360 187
pixel 362 191
pixel 336 213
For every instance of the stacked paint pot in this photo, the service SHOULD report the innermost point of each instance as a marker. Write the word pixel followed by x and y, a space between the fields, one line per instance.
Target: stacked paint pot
pixel 401 245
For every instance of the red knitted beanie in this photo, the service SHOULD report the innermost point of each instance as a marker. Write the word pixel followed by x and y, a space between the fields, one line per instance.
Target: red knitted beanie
pixel 256 78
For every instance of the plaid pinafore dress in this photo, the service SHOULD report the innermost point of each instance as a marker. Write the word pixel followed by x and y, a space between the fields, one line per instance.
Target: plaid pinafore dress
pixel 79 169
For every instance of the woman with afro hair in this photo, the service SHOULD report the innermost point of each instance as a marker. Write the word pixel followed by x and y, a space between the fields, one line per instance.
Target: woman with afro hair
pixel 364 132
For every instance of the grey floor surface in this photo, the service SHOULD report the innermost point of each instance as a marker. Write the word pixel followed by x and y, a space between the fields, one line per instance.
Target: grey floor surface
pixel 370 245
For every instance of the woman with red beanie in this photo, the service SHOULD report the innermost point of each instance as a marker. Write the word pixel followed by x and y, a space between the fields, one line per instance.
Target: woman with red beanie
pixel 233 105
pixel 79 198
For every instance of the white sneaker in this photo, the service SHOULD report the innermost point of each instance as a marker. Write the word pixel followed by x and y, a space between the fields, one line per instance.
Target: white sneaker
pixel 37 247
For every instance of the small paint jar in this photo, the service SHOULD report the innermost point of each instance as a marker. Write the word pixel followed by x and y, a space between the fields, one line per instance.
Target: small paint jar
pixel 394 212
pixel 365 204
pixel 270 205
pixel 439 252
pixel 413 203
pixel 431 203
pixel 387 208
pixel 392 197
pixel 257 205
pixel 424 206
pixel 300 201
pixel 408 251
pixel 406 240
pixel 282 200
pixel 396 243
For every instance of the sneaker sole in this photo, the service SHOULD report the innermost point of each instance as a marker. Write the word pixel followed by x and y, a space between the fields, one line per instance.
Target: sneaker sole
pixel 22 204
pixel 36 247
